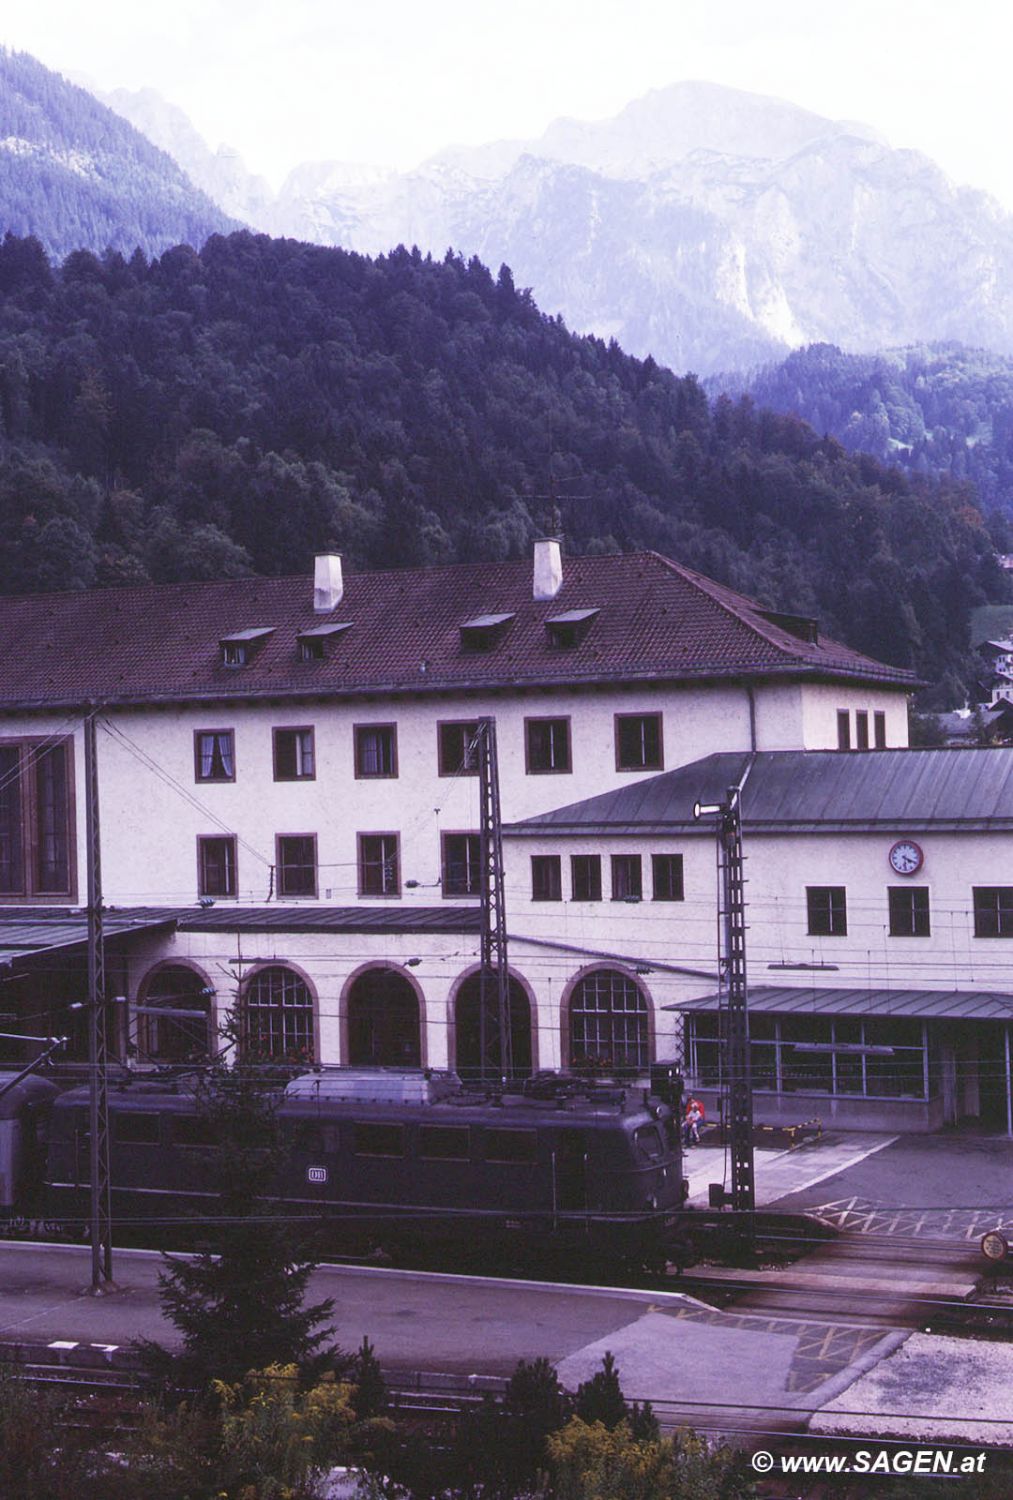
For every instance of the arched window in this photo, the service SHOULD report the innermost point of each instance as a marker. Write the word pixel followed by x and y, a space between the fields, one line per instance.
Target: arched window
pixel 174 1036
pixel 277 1016
pixel 467 1030
pixel 608 1023
pixel 383 1021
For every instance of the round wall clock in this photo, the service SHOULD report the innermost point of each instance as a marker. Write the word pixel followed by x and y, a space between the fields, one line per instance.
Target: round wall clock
pixel 906 857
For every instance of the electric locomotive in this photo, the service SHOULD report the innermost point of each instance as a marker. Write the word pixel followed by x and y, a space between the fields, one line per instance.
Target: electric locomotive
pixel 406 1162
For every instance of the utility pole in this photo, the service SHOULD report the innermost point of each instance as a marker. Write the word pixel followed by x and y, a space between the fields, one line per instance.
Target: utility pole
pixel 736 1037
pixel 98 1052
pixel 494 978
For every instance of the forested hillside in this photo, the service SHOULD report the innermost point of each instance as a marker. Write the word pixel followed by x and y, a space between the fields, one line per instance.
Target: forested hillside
pixel 75 174
pixel 205 414
pixel 941 408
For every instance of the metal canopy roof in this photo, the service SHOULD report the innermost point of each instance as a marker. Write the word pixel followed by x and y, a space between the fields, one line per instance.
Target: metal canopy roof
pixel 379 919
pixel 28 933
pixel 926 1005
pixel 806 791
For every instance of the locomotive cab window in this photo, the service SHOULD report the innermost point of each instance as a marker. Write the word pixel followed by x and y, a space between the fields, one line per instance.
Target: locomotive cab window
pixel 648 1141
pixel 379 1140
pixel 444 1143
pixel 135 1129
pixel 511 1145
pixel 193 1130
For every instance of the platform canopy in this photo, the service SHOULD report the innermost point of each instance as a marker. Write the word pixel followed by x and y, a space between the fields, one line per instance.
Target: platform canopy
pixel 925 1005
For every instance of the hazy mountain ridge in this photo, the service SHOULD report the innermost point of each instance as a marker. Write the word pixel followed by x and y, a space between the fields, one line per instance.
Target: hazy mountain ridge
pixel 76 176
pixel 712 228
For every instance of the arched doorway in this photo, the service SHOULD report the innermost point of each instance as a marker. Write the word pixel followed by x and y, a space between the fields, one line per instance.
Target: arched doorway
pixel 467 1031
pixel 383 1021
pixel 277 1016
pixel 165 1034
pixel 609 1023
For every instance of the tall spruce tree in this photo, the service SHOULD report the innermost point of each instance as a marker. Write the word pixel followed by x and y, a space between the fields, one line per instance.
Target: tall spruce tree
pixel 240 1304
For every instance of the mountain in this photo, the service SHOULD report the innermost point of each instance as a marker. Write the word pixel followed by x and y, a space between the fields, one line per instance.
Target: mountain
pixel 940 409
pixel 76 176
pixel 239 408
pixel 711 228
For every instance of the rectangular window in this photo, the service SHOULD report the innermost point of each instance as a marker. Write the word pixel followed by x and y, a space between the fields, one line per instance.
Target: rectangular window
pixel 461 859
pixel 296 861
pixel 378 1140
pixel 444 1142
pixel 861 729
pixel 879 729
pixel 511 1145
pixel 666 870
pixel 638 742
pixel 36 819
pixel 214 753
pixel 585 877
pixel 827 910
pixel 135 1129
pixel 909 910
pixel 843 729
pixel 546 877
pixel 294 758
pixel 379 865
pixel 458 752
pixel 375 750
pixel 627 879
pixel 195 1131
pixel 993 911
pixel 216 866
pixel 548 745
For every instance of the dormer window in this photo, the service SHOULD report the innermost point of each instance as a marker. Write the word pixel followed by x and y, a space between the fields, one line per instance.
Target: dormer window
pixel 570 628
pixel 239 648
pixel 316 643
pixel 484 632
pixel 803 627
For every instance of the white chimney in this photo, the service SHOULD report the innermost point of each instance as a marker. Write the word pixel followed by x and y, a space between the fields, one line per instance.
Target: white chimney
pixel 328 584
pixel 548 567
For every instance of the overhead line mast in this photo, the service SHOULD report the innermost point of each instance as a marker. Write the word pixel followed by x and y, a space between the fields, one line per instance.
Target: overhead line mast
pixel 98 1045
pixel 495 1042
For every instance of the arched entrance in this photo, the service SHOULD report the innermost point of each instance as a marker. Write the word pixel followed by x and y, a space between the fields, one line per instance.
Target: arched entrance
pixel 383 1021
pixel 164 1033
pixel 609 1023
pixel 277 1016
pixel 467 1030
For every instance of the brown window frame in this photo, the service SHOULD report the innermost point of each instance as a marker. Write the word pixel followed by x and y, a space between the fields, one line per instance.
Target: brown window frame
pixel 198 734
pixel 989 912
pixel 529 759
pixel 844 729
pixel 619 720
pixel 360 729
pixel 31 889
pixel 912 918
pixel 203 839
pixel 594 861
pixel 861 729
pixel 463 769
pixel 676 863
pixel 635 863
pixel 280 866
pixel 879 728
pixel 543 865
pixel 294 729
pixel 361 864
pixel 460 833
pixel 836 912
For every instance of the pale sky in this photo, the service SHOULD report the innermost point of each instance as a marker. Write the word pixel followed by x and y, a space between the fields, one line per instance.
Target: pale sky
pixel 286 81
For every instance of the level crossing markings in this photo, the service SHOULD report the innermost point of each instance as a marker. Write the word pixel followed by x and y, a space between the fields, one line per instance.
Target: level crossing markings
pixel 822 1350
pixel 78 1344
pixel 866 1216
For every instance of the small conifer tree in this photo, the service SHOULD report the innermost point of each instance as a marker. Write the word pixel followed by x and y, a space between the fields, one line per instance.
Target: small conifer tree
pixel 600 1399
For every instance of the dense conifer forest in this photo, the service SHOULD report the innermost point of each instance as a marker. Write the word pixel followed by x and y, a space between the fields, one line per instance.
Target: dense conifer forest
pixel 208 414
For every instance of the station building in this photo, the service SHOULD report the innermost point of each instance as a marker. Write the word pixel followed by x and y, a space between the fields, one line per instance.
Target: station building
pixel 288 800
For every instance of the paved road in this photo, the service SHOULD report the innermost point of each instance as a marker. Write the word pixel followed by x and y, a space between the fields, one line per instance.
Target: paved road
pixel 937 1186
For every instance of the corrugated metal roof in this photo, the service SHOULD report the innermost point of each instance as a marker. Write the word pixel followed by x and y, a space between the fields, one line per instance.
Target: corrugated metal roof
pixel 362 919
pixel 159 642
pixel 807 791
pixel 927 1005
pixel 27 933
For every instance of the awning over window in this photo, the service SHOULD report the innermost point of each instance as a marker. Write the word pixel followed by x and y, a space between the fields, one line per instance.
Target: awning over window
pixel 927 1005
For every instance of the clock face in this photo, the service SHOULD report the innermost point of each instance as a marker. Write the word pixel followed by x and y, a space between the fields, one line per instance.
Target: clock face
pixel 906 857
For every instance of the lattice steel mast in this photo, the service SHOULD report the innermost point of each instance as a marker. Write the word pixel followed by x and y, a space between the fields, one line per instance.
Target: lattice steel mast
pixel 98 1051
pixel 495 1048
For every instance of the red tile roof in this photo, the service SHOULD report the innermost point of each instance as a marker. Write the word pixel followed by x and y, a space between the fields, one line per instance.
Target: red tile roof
pixel 657 621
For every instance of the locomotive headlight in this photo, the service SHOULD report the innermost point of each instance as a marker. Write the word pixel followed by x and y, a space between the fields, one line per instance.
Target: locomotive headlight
pixel 994 1246
pixel 652 1202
